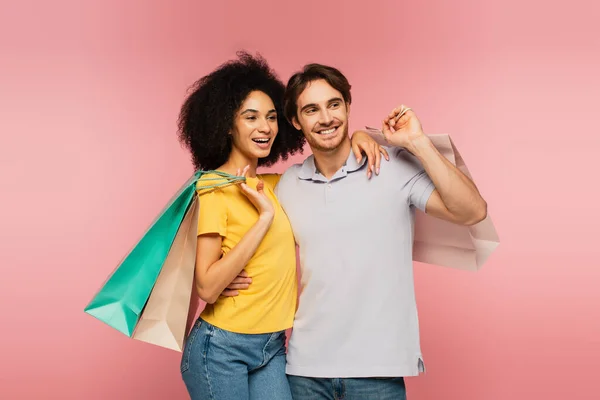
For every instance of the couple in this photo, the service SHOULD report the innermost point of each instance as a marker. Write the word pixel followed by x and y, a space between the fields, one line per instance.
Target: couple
pixel 355 329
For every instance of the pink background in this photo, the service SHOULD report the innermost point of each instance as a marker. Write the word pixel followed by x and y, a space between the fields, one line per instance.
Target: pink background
pixel 89 95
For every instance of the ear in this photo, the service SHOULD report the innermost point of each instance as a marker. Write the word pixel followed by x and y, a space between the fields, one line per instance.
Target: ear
pixel 296 124
pixel 348 108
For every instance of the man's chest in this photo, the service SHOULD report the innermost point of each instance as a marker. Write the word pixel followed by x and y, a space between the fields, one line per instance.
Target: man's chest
pixel 320 211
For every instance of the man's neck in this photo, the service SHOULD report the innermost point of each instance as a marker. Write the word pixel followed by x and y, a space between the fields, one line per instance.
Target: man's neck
pixel 329 162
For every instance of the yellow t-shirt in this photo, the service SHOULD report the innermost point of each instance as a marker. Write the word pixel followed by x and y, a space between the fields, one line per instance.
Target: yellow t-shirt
pixel 269 304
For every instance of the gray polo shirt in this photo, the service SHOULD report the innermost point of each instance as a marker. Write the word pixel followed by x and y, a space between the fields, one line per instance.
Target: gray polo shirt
pixel 357 315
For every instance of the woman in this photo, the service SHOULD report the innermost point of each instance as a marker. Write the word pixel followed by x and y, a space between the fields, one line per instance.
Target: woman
pixel 233 122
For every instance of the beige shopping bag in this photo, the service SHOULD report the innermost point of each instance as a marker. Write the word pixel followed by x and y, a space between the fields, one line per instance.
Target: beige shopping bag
pixel 165 316
pixel 443 243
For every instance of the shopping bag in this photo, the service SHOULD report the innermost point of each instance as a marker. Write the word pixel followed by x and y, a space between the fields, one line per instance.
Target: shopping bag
pixel 443 243
pixel 124 294
pixel 163 320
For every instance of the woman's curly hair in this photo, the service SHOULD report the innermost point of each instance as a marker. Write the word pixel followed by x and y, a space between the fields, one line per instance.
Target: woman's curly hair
pixel 208 114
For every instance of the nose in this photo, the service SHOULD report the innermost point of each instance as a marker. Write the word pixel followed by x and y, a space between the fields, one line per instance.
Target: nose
pixel 325 118
pixel 264 126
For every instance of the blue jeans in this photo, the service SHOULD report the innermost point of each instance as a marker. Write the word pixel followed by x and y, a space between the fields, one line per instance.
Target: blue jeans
pixel 304 388
pixel 222 365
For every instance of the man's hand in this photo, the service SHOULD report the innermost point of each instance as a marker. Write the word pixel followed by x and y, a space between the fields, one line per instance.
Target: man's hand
pixel 455 198
pixel 241 282
pixel 402 128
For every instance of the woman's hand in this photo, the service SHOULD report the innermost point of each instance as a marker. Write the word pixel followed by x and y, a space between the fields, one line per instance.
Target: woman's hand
pixel 362 142
pixel 257 197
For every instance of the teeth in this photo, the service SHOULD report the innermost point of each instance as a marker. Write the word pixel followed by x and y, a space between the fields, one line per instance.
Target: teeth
pixel 328 131
pixel 261 140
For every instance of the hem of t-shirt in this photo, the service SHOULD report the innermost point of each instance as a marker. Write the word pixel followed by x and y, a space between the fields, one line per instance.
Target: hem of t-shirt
pixel 356 371
pixel 233 329
pixel 220 232
pixel 424 197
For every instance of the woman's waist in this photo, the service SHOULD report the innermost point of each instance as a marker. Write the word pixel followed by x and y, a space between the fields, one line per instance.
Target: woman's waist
pixel 268 259
pixel 264 293
pixel 268 275
pixel 252 314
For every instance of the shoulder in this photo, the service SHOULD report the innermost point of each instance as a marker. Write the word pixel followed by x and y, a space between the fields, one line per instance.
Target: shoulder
pixel 403 164
pixel 211 183
pixel 287 181
pixel 290 174
pixel 270 179
pixel 292 171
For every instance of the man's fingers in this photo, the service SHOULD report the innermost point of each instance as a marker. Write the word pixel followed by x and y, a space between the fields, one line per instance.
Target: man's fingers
pixel 241 279
pixel 387 132
pixel 238 286
pixel 396 111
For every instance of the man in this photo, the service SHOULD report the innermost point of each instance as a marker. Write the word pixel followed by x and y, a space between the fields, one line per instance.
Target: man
pixel 356 332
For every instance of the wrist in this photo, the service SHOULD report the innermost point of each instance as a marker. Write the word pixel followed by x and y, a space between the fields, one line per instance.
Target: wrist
pixel 266 217
pixel 418 144
pixel 358 132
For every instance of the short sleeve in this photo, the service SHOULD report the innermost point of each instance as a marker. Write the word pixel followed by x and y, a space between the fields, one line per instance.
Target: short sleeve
pixel 417 186
pixel 421 188
pixel 212 215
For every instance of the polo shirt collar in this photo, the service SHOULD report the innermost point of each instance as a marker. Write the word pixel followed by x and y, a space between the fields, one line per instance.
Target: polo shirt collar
pixel 308 170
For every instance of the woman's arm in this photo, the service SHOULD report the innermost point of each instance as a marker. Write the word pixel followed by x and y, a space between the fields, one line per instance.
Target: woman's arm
pixel 214 271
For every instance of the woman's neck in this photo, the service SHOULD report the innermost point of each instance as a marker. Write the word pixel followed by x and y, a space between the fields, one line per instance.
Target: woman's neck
pixel 236 161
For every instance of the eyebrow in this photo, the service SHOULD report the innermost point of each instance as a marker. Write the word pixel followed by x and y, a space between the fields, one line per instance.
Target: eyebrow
pixel 315 105
pixel 251 110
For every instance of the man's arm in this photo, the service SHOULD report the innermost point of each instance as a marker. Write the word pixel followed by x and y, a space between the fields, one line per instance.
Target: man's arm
pixel 455 198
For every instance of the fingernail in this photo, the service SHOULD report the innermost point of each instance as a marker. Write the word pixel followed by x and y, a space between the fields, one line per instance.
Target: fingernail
pixel 377 172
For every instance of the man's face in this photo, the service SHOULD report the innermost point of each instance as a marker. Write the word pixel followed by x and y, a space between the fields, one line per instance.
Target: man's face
pixel 322 115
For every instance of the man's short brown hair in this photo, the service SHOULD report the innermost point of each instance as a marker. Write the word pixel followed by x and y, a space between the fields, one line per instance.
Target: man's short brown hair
pixel 312 72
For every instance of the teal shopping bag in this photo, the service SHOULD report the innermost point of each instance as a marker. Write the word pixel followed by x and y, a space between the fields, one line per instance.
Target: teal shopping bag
pixel 120 301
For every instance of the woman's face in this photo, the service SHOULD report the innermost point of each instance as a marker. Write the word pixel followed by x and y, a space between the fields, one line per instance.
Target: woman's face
pixel 255 126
